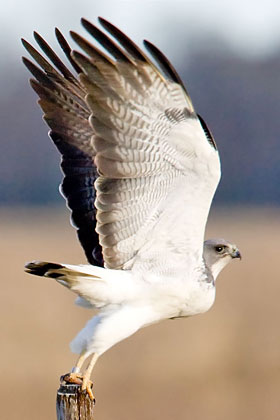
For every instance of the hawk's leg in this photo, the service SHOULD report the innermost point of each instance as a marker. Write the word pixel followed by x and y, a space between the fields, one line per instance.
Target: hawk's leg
pixel 87 384
pixel 76 377
pixel 79 364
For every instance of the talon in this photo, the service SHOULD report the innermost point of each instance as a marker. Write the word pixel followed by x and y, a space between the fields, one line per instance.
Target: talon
pixel 87 386
pixel 89 392
pixel 72 378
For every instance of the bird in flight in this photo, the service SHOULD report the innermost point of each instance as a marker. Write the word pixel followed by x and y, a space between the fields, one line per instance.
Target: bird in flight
pixel 140 170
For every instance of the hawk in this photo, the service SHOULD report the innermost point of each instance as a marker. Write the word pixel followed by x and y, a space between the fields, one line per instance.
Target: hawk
pixel 140 170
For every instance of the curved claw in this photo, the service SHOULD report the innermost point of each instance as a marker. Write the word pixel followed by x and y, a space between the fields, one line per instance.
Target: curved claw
pixel 72 378
pixel 87 386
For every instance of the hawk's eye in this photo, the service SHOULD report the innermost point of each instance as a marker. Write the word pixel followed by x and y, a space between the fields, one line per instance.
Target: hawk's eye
pixel 220 249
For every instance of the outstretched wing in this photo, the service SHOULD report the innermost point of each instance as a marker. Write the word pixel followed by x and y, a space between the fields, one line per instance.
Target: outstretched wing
pixel 157 162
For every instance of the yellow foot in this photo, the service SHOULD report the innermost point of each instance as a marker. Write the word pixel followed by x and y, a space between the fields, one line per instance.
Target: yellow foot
pixel 79 379
pixel 87 386
pixel 73 378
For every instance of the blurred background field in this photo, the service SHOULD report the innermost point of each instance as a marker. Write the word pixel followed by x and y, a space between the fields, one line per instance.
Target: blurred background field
pixel 224 364
pixel 227 56
pixel 221 365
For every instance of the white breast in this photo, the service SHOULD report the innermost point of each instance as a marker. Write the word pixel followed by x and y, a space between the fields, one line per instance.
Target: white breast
pixel 199 300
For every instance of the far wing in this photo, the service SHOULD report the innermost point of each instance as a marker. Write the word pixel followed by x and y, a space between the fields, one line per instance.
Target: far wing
pixel 62 98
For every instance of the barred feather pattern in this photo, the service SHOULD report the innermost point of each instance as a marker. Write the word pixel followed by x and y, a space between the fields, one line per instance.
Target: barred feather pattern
pixel 131 141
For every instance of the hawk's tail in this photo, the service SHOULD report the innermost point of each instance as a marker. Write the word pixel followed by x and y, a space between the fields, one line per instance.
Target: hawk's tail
pixel 96 285
pixel 68 275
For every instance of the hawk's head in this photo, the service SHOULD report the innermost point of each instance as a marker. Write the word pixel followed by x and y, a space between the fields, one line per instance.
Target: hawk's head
pixel 218 253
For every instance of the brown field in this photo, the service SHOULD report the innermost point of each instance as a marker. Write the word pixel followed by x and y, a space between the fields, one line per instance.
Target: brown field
pixel 221 365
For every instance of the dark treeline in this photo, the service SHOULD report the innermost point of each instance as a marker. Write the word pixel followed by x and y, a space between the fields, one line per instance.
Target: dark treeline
pixel 239 98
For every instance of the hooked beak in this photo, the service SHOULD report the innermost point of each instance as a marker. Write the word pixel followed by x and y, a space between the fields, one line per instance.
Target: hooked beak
pixel 236 254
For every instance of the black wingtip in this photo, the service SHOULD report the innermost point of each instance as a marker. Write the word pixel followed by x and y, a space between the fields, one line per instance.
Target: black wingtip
pixel 86 22
pixel 23 41
pixel 66 49
pixel 92 29
pixel 163 63
pixel 104 22
pixel 105 41
pixel 40 268
pixel 128 45
pixel 207 132
pixel 60 37
pixel 38 37
pixel 27 45
pixel 30 66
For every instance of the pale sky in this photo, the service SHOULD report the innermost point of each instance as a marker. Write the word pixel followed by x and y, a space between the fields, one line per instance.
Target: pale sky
pixel 250 26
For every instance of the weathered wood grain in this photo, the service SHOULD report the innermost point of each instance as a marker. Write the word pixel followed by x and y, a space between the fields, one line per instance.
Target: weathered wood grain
pixel 73 404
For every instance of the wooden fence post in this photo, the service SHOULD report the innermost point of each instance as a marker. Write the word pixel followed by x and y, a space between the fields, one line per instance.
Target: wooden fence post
pixel 72 403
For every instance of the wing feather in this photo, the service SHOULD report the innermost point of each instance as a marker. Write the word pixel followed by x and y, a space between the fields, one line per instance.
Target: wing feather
pixel 66 49
pixel 54 58
pixel 124 126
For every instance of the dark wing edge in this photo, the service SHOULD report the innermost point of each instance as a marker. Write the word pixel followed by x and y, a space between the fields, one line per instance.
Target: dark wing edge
pixel 61 96
pixel 78 189
pixel 207 132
